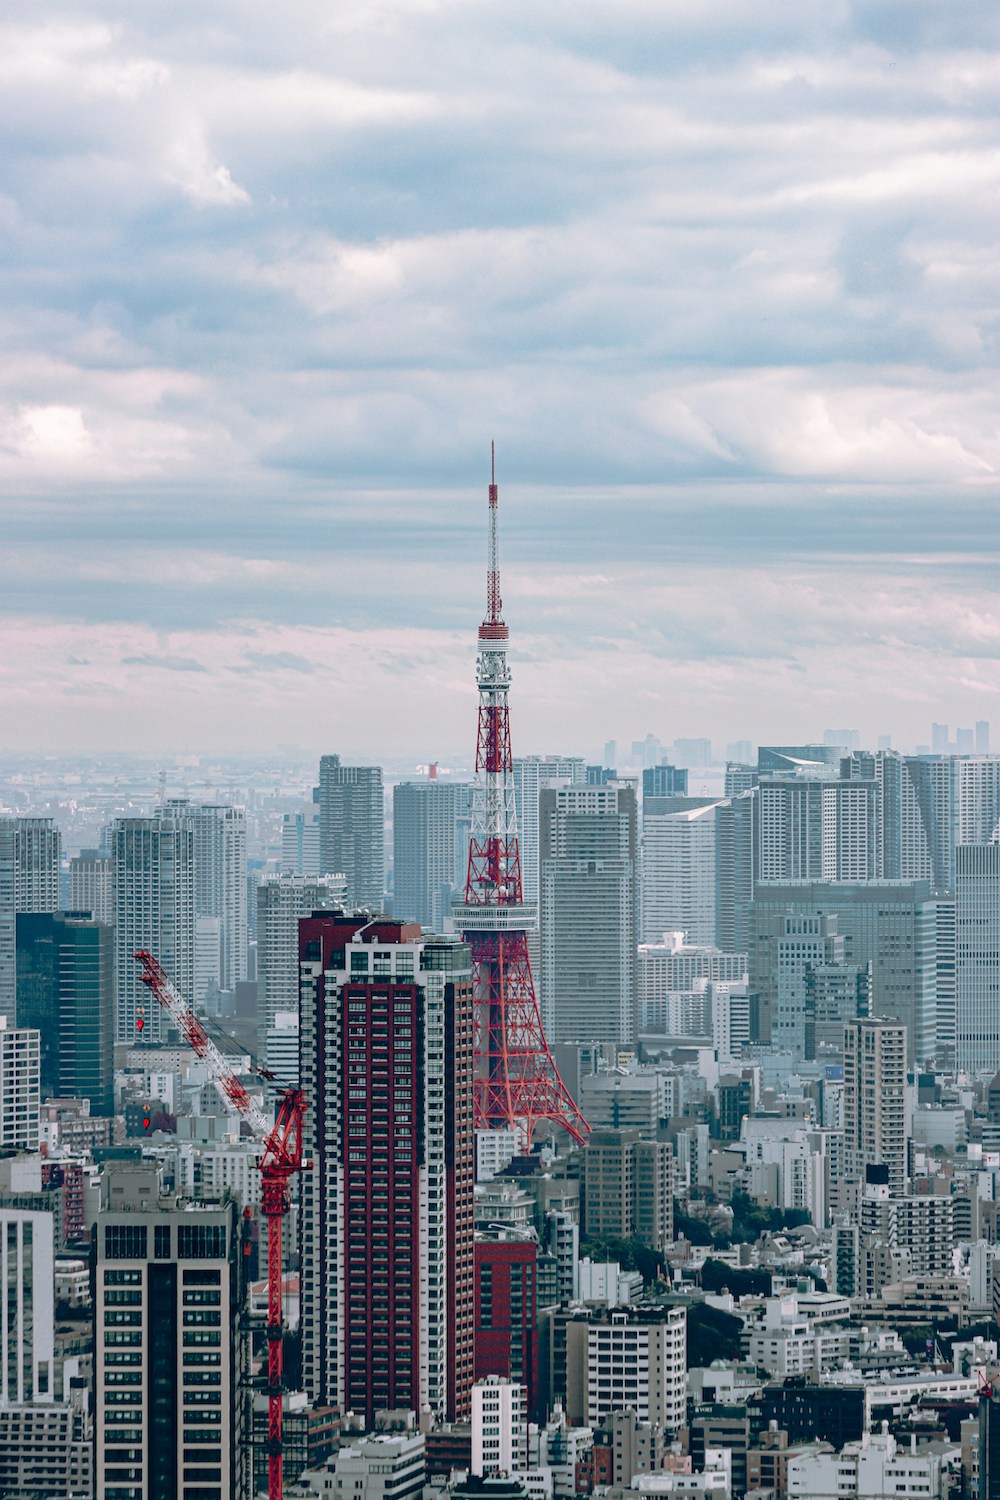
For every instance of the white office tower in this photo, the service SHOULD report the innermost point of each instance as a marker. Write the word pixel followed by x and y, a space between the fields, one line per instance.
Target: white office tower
pixel 281 1050
pixel 37 850
pixel 383 1466
pixel 281 901
pixel 27 1329
pixel 30 851
pixel 170 1353
pixel 876 1122
pixel 91 886
pixel 220 878
pixel 207 962
pixel 46 1436
pixel 431 826
pixel 628 1359
pixel 679 879
pixel 730 1017
pixel 532 775
pixel 977 974
pixel 300 840
pixel 499 1427
pixel 495 1149
pixel 154 910
pixel 20 1061
pixel 588 913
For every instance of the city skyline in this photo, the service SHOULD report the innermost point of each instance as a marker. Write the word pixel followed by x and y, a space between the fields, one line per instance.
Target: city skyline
pixel 715 282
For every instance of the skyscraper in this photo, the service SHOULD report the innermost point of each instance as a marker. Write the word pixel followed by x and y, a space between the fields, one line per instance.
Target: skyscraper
pixel 679 868
pixel 65 989
pixel 431 822
pixel 30 851
pixel 532 775
pixel 91 886
pixel 220 878
pixel 588 912
pixel 387 1211
pixel 352 829
pixel 170 1353
pixel 154 910
pixel 977 968
pixel 281 901
pixel 875 1116
pixel 889 924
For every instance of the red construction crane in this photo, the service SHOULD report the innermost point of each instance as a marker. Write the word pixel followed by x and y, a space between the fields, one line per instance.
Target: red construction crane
pixel 279 1160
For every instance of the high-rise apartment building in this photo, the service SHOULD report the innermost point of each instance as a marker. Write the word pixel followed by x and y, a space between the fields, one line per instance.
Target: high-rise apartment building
pixel 589 912
pixel 499 1427
pixel 352 829
pixel 91 887
pixel 977 962
pixel 625 1359
pixel 37 853
pixel 534 774
pixel 219 849
pixel 431 823
pixel 387 1210
pixel 281 901
pixel 66 990
pixel 171 1359
pixel 20 1049
pixel 811 829
pixel 154 910
pixel 506 1300
pixel 875 1112
pixel 30 851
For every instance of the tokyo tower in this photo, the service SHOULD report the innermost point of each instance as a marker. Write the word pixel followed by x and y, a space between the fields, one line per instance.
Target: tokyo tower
pixel 517 1082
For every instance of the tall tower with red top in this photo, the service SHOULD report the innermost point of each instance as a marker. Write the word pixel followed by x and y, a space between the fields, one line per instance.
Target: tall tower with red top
pixel 517 1083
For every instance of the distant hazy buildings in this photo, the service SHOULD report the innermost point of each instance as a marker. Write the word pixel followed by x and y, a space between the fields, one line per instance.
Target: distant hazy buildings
pixel 352 829
pixel 91 887
pixel 300 840
pixel 588 912
pixel 431 821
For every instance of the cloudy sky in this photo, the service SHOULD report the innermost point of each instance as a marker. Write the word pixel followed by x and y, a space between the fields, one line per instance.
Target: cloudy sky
pixel 719 278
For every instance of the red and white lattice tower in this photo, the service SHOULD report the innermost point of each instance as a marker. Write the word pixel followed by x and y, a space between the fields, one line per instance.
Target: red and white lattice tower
pixel 517 1083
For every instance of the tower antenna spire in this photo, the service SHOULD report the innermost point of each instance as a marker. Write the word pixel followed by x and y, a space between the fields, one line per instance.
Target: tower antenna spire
pixel 517 1083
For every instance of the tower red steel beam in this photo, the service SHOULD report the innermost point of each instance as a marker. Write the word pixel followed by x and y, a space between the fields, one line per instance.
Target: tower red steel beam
pixel 517 1083
pixel 280 1160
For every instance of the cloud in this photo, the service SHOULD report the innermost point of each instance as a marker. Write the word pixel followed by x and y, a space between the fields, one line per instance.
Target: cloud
pixel 719 281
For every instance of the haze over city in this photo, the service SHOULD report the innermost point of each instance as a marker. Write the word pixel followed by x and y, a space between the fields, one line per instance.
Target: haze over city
pixel 715 278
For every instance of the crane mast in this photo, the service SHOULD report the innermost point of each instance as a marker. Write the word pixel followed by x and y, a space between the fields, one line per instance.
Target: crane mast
pixel 280 1159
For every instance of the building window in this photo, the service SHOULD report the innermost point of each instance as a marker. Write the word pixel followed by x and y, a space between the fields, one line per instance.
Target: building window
pixel 201 1241
pixel 161 1241
pixel 125 1241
